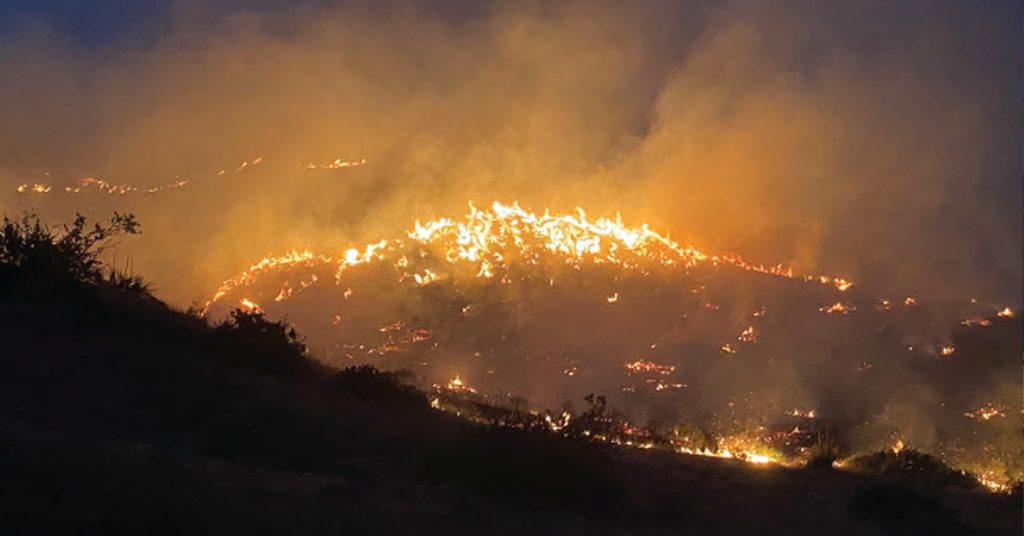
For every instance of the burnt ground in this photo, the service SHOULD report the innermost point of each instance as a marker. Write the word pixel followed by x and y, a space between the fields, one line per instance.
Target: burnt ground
pixel 118 414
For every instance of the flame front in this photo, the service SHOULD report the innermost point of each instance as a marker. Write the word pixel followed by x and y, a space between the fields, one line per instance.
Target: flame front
pixel 489 242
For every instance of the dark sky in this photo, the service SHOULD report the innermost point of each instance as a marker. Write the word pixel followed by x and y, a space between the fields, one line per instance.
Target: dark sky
pixel 92 23
pixel 89 23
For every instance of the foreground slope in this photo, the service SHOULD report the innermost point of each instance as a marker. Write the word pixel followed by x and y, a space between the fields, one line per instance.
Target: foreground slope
pixel 119 414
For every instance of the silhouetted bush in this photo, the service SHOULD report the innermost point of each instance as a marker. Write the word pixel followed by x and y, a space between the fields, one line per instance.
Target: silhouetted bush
pixel 389 389
pixel 596 421
pixel 261 344
pixel 912 465
pixel 37 255
pixel 693 437
pixel 124 280
pixel 823 452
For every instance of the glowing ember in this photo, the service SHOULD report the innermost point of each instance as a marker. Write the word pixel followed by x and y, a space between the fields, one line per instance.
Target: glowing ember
pixel 558 424
pixel 992 484
pixel 978 321
pixel 249 306
pixel 986 413
pixel 613 298
pixel 842 284
pixel 641 366
pixel 737 448
pixel 810 414
pixel 838 308
pixel 1005 312
pixel 727 348
pixel 947 350
pixel 749 335
pixel 36 188
pixel 338 163
pixel 456 385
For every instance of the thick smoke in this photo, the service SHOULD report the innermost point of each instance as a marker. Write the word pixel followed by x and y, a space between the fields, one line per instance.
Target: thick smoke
pixel 879 141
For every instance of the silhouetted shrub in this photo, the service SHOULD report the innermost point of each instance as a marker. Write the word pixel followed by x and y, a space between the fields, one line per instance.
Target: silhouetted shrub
pixel 596 421
pixel 31 251
pixel 261 344
pixel 823 452
pixel 387 388
pixel 124 280
pixel 912 465
pixel 693 437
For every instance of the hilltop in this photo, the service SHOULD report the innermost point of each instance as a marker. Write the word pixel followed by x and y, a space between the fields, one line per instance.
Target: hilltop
pixel 119 413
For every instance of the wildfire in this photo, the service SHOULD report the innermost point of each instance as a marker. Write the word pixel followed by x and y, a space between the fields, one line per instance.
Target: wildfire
pixel 249 306
pixel 993 484
pixel 640 366
pixel 558 424
pixel 488 242
pixel 1005 312
pixel 841 284
pixel 979 321
pixel 35 188
pixel 838 308
pixel 113 188
pixel 985 413
pixel 456 385
pixel 734 448
pixel 87 183
pixel 505 242
pixel 338 163
pixel 947 350
pixel 265 264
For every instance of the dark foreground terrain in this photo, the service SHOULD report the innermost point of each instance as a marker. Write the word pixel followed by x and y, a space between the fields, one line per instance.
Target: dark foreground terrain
pixel 121 415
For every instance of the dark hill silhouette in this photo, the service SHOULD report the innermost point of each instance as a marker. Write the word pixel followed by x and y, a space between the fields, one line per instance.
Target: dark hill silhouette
pixel 121 414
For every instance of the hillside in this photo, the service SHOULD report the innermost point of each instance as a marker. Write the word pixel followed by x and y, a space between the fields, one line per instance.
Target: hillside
pixel 120 414
pixel 546 308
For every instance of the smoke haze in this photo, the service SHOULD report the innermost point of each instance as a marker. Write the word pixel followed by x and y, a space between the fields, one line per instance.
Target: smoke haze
pixel 879 140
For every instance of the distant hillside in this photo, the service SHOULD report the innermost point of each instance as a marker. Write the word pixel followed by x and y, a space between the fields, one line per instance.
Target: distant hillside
pixel 551 307
pixel 120 414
